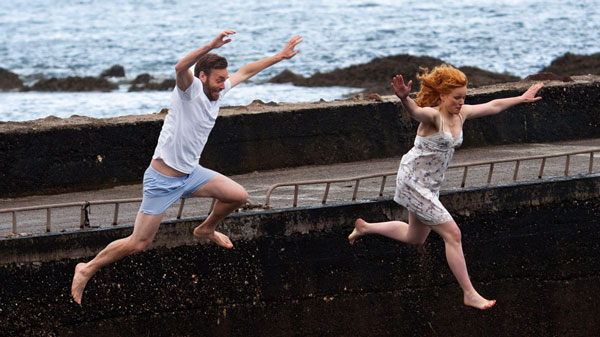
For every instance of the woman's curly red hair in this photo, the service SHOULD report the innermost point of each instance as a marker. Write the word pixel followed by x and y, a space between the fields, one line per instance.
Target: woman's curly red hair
pixel 441 80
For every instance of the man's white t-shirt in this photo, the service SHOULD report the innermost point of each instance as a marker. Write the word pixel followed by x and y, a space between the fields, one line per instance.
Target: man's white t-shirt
pixel 186 128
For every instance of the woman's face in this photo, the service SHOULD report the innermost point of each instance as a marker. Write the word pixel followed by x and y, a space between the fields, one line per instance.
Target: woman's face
pixel 453 101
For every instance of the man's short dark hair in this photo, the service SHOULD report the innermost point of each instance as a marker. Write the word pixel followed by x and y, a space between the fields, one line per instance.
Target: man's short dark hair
pixel 208 62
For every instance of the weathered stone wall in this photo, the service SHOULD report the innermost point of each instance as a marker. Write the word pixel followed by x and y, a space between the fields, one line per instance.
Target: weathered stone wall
pixel 83 156
pixel 532 246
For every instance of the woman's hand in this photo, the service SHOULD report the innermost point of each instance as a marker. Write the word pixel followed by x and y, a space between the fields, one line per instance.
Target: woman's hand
pixel 529 95
pixel 400 88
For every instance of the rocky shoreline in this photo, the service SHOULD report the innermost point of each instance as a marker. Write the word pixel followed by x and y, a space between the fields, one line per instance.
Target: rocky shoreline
pixel 10 81
pixel 373 76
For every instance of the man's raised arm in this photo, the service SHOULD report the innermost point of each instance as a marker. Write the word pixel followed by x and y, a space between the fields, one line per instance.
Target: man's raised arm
pixel 184 76
pixel 254 68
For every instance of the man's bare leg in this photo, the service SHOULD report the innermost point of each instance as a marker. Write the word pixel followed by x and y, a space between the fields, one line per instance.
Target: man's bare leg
pixel 230 196
pixel 144 230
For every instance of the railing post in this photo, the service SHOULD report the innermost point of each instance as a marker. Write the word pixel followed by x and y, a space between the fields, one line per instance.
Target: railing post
pixel 516 170
pixel 295 195
pixel 82 219
pixel 48 216
pixel 326 194
pixel 268 198
pixel 355 190
pixel 180 211
pixel 464 178
pixel 568 162
pixel 490 173
pixel 591 161
pixel 542 168
pixel 14 222
pixel 116 215
pixel 382 185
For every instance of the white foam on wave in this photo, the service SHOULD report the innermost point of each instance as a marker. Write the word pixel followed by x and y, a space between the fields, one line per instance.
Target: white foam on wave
pixel 23 106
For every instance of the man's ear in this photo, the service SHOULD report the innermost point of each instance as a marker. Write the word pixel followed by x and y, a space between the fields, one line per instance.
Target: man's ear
pixel 202 76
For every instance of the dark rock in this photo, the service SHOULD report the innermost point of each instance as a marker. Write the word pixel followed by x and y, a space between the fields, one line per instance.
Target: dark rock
pixel 375 76
pixel 287 76
pixel 479 77
pixel 114 71
pixel 547 76
pixel 260 102
pixel 164 85
pixel 167 85
pixel 9 80
pixel 573 64
pixel 74 83
pixel 142 79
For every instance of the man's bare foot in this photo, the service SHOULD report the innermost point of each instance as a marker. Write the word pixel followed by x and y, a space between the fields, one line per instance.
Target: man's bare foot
pixel 476 301
pixel 80 280
pixel 359 230
pixel 214 236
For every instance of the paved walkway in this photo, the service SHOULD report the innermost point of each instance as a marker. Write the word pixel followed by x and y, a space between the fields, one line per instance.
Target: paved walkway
pixel 257 183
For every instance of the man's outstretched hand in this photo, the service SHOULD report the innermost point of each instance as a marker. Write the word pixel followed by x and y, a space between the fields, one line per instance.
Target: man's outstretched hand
pixel 222 39
pixel 288 50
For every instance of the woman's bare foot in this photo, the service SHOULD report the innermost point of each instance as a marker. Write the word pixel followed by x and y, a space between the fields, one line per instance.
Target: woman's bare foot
pixel 80 280
pixel 476 301
pixel 214 236
pixel 359 230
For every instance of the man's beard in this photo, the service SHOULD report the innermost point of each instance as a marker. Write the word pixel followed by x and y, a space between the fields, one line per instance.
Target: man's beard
pixel 210 91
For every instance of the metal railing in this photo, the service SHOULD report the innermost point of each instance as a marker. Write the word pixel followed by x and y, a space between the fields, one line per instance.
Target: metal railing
pixel 464 166
pixel 518 161
pixel 84 211
pixel 327 182
pixel 85 205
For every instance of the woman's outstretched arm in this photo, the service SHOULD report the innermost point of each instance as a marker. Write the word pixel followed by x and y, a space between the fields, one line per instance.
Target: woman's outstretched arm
pixel 495 106
pixel 402 90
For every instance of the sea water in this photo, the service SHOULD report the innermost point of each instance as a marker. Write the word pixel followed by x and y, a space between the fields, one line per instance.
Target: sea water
pixel 60 38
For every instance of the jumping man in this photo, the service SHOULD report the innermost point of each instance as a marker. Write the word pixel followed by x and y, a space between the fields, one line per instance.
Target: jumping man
pixel 174 170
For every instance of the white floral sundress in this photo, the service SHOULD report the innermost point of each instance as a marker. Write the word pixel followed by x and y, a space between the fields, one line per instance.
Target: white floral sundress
pixel 421 174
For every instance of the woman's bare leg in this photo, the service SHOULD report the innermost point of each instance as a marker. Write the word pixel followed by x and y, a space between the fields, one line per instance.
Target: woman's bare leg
pixel 451 234
pixel 414 232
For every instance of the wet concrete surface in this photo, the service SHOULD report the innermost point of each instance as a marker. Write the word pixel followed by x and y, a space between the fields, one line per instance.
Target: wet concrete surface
pixel 257 184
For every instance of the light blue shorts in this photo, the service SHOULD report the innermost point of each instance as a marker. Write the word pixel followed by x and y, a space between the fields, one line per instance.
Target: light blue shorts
pixel 161 191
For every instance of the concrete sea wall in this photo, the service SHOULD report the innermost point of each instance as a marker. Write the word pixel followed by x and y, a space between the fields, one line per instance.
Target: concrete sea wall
pixel 50 156
pixel 533 246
